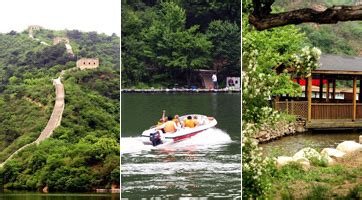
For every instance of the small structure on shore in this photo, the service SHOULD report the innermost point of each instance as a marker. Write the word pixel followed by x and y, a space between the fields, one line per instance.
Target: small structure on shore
pixel 88 63
pixel 325 110
pixel 206 78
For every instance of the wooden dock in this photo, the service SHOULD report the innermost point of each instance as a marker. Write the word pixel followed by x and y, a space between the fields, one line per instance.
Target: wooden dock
pixel 181 90
pixel 334 124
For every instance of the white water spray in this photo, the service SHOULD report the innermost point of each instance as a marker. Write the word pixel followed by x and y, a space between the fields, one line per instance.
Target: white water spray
pixel 210 138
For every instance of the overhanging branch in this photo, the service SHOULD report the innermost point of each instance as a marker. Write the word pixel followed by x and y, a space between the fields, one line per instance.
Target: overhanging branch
pixel 329 16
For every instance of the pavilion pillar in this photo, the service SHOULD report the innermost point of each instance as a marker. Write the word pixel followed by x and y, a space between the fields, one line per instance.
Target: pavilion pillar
pixel 360 90
pixel 334 89
pixel 320 87
pixel 327 91
pixel 309 98
pixel 354 98
pixel 306 88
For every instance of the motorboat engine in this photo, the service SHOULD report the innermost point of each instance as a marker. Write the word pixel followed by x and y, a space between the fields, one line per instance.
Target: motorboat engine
pixel 155 138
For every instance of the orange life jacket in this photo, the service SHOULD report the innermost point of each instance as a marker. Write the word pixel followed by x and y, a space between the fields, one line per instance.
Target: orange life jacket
pixel 170 127
pixel 189 123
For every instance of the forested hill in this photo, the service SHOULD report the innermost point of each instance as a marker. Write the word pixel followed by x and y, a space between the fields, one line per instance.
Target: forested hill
pixel 343 38
pixel 165 43
pixel 83 152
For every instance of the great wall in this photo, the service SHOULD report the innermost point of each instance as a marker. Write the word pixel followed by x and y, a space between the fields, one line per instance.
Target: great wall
pixel 54 120
pixel 56 116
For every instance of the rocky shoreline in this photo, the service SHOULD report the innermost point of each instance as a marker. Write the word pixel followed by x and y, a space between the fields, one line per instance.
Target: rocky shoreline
pixel 280 129
pixel 330 156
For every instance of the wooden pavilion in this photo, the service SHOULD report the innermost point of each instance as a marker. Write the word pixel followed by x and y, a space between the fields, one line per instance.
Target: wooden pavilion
pixel 325 110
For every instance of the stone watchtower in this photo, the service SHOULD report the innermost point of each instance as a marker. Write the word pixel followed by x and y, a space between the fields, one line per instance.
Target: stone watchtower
pixel 33 28
pixel 88 63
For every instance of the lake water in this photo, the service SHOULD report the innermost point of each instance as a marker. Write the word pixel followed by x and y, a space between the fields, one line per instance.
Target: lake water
pixel 19 195
pixel 316 139
pixel 207 165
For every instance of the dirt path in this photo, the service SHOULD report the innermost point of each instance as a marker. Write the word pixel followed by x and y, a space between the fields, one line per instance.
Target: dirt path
pixel 54 120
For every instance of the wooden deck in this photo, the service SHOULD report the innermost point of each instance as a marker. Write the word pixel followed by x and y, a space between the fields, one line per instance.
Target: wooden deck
pixel 334 124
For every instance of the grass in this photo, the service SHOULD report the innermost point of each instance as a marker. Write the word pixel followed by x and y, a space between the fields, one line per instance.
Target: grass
pixel 341 181
pixel 288 118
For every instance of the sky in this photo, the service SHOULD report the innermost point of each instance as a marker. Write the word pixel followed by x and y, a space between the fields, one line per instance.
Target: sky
pixel 103 16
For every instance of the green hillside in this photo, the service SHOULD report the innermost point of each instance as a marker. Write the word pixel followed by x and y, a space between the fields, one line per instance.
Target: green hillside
pixel 83 152
pixel 343 38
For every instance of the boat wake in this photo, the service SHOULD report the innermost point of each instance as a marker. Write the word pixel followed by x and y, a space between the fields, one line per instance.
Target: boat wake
pixel 211 138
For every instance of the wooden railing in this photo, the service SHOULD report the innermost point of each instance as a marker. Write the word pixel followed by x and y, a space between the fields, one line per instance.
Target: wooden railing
pixel 319 110
pixel 299 108
pixel 332 110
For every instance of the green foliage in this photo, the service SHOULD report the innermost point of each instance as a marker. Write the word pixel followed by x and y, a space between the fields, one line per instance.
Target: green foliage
pixel 274 47
pixel 101 46
pixel 287 118
pixel 318 192
pixel 328 40
pixel 163 42
pixel 263 52
pixel 323 162
pixel 257 171
pixel 316 178
pixel 83 153
pixel 225 53
pixel 169 44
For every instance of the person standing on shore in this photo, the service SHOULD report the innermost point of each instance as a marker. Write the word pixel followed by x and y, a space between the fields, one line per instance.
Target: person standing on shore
pixel 214 80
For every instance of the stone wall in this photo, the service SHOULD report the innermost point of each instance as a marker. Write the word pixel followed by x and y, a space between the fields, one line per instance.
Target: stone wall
pixel 88 63
pixel 271 132
pixel 58 40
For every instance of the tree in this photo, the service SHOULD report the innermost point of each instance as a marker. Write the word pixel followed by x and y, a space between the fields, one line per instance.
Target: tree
pixel 169 44
pixel 262 17
pixel 263 51
pixel 274 47
pixel 12 32
pixel 226 50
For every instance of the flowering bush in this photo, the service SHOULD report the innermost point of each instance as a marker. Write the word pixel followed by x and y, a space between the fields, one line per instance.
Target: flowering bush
pixel 256 110
pixel 257 88
pixel 256 170
pixel 306 61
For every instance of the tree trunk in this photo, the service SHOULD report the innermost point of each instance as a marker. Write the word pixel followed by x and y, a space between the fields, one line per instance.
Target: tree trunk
pixel 188 77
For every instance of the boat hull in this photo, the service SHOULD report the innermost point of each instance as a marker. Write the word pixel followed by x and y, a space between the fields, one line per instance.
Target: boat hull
pixel 182 133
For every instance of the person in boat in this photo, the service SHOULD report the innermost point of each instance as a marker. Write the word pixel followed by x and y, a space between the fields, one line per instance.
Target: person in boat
pixel 196 121
pixel 163 119
pixel 176 119
pixel 169 126
pixel 189 122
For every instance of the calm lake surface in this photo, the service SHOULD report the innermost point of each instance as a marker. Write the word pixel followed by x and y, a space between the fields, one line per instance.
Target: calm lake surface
pixel 316 139
pixel 18 195
pixel 207 165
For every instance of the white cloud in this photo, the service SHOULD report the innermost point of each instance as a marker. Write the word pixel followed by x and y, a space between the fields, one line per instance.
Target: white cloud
pixel 103 16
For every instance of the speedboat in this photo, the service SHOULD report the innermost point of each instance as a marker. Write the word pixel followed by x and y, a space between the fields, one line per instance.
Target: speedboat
pixel 155 136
